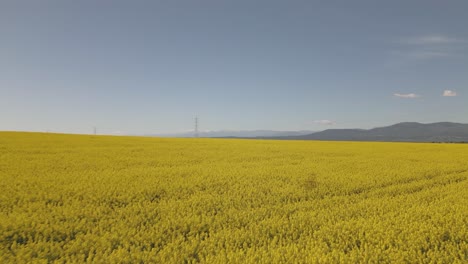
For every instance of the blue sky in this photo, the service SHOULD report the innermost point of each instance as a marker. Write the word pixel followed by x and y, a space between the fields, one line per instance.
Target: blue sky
pixel 139 67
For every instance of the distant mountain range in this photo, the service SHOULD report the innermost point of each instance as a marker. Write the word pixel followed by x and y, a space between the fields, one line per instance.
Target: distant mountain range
pixel 238 134
pixel 401 132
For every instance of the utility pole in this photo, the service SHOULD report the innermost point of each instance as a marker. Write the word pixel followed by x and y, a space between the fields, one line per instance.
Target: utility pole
pixel 196 126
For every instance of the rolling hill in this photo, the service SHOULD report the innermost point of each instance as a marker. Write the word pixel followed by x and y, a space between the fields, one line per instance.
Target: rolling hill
pixel 401 132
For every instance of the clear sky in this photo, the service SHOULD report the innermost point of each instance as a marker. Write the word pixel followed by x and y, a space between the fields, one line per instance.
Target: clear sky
pixel 142 67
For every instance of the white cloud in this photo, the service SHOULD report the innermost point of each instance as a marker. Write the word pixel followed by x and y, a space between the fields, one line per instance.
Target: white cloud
pixel 429 47
pixel 423 54
pixel 428 54
pixel 410 95
pixel 449 93
pixel 430 40
pixel 325 122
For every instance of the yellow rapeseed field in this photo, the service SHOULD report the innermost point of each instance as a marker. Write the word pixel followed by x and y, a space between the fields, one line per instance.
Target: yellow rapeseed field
pixel 104 199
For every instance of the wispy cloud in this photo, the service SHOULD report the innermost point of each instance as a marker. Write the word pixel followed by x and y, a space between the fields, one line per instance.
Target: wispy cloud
pixel 408 96
pixel 430 40
pixel 449 93
pixel 325 122
pixel 428 54
pixel 429 46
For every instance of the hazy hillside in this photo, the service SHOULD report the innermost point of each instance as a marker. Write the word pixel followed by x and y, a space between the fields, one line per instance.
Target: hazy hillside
pixel 404 132
pixel 240 133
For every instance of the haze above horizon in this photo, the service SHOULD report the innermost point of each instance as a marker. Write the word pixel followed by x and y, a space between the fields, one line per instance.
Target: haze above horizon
pixel 148 67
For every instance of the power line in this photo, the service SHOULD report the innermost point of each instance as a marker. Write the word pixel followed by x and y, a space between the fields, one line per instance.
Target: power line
pixel 196 126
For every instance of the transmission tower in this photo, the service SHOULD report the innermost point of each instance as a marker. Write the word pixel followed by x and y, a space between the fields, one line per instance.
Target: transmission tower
pixel 196 126
pixel 95 130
